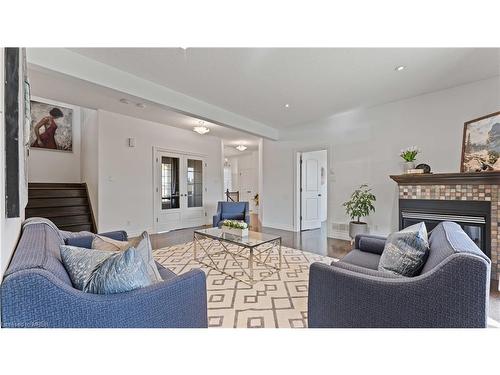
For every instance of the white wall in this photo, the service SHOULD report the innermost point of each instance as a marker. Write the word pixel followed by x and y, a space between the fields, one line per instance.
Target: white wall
pixel 364 146
pixel 52 165
pixel 89 155
pixel 125 192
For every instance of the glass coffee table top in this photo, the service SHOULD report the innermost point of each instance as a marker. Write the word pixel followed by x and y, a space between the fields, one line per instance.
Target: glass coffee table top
pixel 254 239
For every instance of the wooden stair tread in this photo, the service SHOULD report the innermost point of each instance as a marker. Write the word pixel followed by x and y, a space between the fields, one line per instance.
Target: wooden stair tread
pixel 66 204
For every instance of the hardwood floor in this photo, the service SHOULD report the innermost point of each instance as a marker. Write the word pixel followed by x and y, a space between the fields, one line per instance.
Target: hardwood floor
pixel 315 241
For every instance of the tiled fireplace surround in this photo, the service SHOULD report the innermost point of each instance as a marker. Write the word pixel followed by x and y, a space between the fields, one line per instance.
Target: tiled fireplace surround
pixel 475 187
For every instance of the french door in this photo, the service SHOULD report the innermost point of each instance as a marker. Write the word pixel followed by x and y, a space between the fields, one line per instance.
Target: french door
pixel 179 190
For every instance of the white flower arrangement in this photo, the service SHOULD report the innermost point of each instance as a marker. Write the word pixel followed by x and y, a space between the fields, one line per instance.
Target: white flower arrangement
pixel 410 153
pixel 235 224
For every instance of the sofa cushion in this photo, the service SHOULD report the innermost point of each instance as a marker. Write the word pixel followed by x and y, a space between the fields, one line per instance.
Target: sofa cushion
pixel 406 251
pixel 446 239
pixel 362 259
pixel 105 272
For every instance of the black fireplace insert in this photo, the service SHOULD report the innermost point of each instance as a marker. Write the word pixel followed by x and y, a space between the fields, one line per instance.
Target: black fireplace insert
pixel 473 216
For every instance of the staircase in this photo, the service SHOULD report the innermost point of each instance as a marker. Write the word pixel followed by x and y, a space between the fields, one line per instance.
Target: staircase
pixel 67 205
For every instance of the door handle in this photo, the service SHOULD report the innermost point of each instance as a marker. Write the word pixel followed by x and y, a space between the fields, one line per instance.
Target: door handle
pixel 319 195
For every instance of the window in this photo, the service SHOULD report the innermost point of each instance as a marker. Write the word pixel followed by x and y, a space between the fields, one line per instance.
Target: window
pixel 169 183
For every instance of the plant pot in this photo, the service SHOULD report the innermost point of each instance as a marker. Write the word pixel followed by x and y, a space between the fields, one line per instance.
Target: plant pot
pixel 409 165
pixel 357 228
pixel 235 231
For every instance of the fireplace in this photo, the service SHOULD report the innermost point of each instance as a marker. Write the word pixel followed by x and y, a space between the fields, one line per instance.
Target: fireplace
pixel 473 216
pixel 470 199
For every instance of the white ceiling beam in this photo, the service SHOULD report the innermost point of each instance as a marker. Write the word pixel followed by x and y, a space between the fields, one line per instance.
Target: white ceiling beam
pixel 75 65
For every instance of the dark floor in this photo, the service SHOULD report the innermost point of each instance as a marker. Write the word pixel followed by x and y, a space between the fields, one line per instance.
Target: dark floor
pixel 315 241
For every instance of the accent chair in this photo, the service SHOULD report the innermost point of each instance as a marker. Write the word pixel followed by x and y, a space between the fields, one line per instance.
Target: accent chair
pixel 232 211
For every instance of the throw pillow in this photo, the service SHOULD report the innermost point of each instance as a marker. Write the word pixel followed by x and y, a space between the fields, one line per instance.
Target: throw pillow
pixel 105 272
pixel 108 244
pixel 142 245
pixel 406 251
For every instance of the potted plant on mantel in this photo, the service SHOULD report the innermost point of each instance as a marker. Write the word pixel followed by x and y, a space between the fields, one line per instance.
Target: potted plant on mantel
pixel 409 155
pixel 235 227
pixel 359 205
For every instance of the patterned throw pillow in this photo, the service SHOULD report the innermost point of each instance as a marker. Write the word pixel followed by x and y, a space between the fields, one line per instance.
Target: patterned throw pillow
pixel 142 244
pixel 105 272
pixel 406 251
pixel 109 244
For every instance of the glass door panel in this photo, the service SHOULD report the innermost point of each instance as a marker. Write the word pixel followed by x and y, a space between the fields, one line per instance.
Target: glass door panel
pixel 170 194
pixel 194 183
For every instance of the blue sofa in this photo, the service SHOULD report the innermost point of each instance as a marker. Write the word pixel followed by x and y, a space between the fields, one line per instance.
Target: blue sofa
pixel 37 292
pixel 232 211
pixel 451 291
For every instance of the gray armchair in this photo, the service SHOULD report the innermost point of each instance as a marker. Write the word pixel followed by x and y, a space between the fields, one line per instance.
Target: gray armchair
pixel 451 291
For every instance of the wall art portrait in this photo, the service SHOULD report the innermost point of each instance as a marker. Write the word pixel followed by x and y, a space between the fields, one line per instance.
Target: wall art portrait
pixel 51 127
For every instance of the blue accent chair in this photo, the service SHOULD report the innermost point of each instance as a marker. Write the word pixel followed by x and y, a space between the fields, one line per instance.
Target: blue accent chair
pixel 36 292
pixel 451 291
pixel 232 211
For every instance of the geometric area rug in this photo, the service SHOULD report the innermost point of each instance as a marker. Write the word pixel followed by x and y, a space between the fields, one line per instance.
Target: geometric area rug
pixel 279 301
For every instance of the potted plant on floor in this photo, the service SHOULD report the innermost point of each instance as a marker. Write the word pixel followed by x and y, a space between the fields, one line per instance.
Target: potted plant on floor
pixel 359 205
pixel 235 227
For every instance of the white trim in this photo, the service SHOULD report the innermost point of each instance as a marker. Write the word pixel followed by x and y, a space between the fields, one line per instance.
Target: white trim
pixel 175 151
pixel 339 234
pixel 286 227
pixel 73 64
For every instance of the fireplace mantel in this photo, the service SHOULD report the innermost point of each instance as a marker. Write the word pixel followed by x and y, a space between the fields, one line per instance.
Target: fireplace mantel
pixel 471 178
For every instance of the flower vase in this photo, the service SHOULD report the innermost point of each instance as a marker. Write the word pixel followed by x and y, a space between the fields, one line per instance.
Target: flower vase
pixel 408 166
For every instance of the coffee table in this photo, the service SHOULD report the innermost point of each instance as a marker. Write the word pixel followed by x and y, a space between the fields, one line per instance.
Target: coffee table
pixel 247 253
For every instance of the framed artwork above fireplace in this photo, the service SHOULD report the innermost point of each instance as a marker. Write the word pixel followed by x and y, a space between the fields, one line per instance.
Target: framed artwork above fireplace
pixel 481 144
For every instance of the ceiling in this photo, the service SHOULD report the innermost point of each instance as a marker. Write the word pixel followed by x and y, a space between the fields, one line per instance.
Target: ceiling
pixel 66 89
pixel 316 82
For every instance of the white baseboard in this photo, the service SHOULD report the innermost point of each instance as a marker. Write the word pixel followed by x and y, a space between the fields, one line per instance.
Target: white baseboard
pixel 341 235
pixel 135 233
pixel 286 227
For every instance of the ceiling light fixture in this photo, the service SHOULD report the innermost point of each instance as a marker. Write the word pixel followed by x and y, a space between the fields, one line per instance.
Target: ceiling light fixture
pixel 201 129
pixel 141 105
pixel 399 68
pixel 287 105
pixel 124 101
pixel 241 147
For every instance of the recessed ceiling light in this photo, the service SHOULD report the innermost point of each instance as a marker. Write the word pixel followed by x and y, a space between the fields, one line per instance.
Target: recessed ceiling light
pixel 241 147
pixel 201 129
pixel 287 105
pixel 399 68
pixel 124 101
pixel 141 105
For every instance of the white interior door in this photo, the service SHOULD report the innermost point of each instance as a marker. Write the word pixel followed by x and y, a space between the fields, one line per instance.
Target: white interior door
pixel 247 186
pixel 313 189
pixel 179 191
